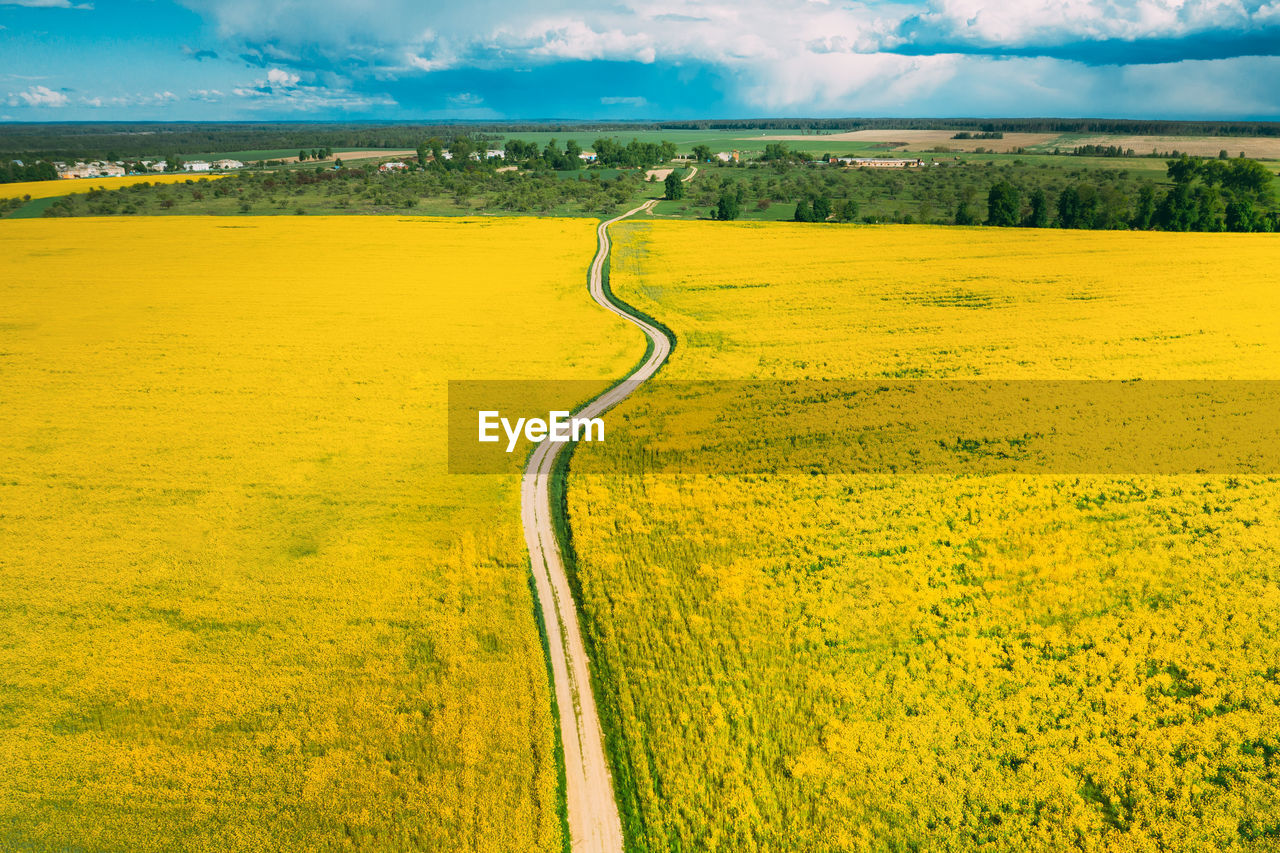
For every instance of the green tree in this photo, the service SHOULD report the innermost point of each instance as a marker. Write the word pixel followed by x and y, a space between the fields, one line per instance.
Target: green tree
pixel 1113 209
pixel 1248 176
pixel 775 152
pixel 728 207
pixel 1183 170
pixel 1144 213
pixel 1039 216
pixel 1076 206
pixel 804 211
pixel 674 187
pixel 1177 210
pixel 965 214
pixel 1004 205
pixel 848 211
pixel 702 153
pixel 1241 216
pixel 821 209
pixel 461 148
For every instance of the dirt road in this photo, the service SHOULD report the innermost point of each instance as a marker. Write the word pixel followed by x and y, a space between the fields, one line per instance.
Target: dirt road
pixel 594 826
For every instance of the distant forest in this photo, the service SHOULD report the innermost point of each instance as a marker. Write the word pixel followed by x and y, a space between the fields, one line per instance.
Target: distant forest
pixel 118 141
pixel 1140 127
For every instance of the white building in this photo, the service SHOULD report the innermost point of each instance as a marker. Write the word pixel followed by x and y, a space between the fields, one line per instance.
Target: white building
pixel 588 156
pixel 158 166
pixel 394 166
pixel 879 162
pixel 227 164
pixel 196 166
pixel 495 154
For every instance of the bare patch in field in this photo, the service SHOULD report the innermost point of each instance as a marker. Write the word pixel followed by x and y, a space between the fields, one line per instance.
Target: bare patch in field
pixel 657 174
pixel 919 140
pixel 358 155
pixel 1266 148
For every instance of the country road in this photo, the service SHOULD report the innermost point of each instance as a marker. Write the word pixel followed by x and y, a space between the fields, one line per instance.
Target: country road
pixel 594 826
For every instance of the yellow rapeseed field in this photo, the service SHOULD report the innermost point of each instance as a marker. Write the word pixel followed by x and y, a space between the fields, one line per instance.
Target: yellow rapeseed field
pixel 52 189
pixel 242 605
pixel 1018 662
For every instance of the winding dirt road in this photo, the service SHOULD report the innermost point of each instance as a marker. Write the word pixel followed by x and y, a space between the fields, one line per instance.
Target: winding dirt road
pixel 594 826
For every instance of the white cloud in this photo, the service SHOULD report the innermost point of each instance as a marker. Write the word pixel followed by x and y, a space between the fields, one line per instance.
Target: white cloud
pixel 433 35
pixel 137 99
pixel 38 96
pixel 624 100
pixel 46 4
pixel 1017 22
pixel 466 99
pixel 283 79
pixel 781 54
pixel 575 39
pixel 293 96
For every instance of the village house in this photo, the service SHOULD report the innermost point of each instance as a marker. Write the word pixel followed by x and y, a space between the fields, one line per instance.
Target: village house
pixel 196 166
pixel 227 164
pixel 393 166
pixel 96 169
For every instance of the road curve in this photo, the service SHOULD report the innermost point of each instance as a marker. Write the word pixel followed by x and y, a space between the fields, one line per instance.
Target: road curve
pixel 594 826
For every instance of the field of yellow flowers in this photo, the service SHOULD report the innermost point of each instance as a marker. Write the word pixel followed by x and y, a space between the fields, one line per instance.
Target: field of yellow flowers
pixel 242 605
pixel 52 189
pixel 1017 662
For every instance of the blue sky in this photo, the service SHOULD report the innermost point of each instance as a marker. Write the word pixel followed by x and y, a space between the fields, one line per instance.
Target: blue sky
pixel 85 60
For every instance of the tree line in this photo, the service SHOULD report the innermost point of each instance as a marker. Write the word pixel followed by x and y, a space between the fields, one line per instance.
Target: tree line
pixel 363 189
pixel 1192 194
pixel 1207 195
pixel 16 171
pixel 527 155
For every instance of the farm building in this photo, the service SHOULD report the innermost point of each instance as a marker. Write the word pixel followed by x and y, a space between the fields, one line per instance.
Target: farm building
pixel 588 156
pixel 728 156
pixel 879 162
pixel 196 166
pixel 227 164
pixel 393 166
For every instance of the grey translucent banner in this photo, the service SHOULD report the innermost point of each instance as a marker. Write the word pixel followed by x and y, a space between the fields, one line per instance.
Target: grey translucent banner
pixel 892 426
